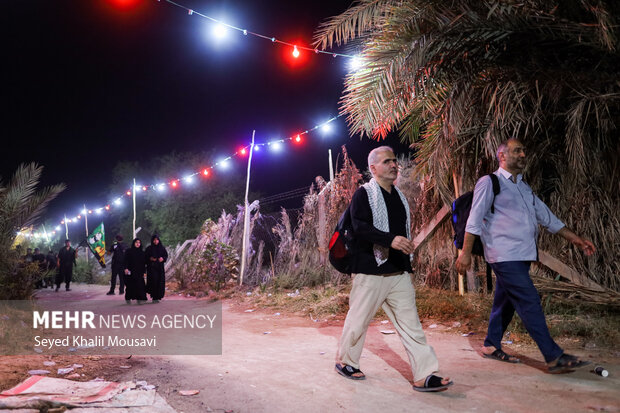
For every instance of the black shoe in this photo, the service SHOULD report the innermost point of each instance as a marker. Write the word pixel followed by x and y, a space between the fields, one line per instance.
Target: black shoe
pixel 56 290
pixel 110 293
pixel 68 289
pixel 121 292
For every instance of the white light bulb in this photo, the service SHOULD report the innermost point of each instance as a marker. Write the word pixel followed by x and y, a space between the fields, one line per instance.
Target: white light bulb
pixel 220 30
pixel 355 63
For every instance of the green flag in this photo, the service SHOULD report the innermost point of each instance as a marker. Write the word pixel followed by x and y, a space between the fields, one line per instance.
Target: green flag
pixel 96 243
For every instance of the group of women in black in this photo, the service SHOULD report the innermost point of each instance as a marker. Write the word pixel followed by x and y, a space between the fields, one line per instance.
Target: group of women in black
pixel 149 263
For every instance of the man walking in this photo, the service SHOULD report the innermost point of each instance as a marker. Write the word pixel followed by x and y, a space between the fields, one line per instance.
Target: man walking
pixel 381 270
pixel 508 228
pixel 66 261
pixel 118 262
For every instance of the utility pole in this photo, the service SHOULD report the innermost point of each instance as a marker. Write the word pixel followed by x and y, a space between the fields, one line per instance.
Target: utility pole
pixel 133 193
pixel 246 216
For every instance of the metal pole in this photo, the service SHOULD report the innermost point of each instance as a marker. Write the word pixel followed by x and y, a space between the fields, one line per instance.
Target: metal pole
pixel 133 193
pixel 86 226
pixel 331 167
pixel 246 216
pixel 66 228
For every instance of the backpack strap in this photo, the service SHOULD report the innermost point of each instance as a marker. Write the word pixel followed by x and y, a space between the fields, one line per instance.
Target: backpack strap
pixel 495 182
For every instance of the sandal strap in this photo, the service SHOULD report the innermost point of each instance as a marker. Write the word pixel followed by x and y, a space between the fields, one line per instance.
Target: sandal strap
pixel 501 354
pixel 433 381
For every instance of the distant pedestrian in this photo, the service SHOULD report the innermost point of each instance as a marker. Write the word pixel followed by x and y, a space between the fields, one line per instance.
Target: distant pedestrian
pixel 50 262
pixel 135 271
pixel 39 259
pixel 65 263
pixel 28 256
pixel 118 263
pixel 156 256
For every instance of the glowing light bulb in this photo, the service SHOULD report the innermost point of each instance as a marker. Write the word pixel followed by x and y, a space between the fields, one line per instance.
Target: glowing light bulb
pixel 84 211
pixel 298 138
pixel 58 227
pixel 326 128
pixel 117 201
pixel 355 63
pixel 128 193
pixel 107 207
pixel 189 179
pixel 276 146
pixel 144 188
pixel 243 151
pixel 174 184
pixel 219 31
pixel 295 52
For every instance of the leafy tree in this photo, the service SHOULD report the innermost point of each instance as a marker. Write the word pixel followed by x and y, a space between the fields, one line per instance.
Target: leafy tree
pixel 457 77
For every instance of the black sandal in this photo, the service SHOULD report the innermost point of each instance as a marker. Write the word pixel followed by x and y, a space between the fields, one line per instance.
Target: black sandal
pixel 501 356
pixel 433 383
pixel 348 372
pixel 566 363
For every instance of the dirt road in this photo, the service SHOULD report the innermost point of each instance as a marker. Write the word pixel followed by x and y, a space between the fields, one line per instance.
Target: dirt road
pixel 279 363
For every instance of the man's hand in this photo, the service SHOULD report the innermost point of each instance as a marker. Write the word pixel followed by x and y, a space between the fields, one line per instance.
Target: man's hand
pixel 463 263
pixel 585 245
pixel 161 259
pixel 126 272
pixel 402 244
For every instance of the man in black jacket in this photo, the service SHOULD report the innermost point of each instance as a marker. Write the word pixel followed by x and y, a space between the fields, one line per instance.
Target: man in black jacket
pixel 66 261
pixel 381 268
pixel 118 259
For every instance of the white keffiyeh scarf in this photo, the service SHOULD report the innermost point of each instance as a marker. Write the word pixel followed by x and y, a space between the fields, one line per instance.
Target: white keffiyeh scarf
pixel 380 216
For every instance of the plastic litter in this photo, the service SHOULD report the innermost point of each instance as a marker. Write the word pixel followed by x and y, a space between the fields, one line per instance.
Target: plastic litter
pixel 38 372
pixel 65 370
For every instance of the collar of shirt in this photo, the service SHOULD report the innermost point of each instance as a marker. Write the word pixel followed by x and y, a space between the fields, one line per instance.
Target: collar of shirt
pixel 508 175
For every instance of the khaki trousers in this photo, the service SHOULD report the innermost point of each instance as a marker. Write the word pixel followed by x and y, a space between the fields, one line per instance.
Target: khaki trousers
pixel 395 294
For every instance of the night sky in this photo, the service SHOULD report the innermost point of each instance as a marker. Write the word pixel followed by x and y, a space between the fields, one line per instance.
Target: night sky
pixel 88 83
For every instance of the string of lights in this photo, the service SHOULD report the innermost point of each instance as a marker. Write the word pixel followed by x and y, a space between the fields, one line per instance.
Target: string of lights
pixel 273 145
pixel 221 27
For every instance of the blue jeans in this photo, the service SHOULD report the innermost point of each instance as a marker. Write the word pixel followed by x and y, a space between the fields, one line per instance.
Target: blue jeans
pixel 514 290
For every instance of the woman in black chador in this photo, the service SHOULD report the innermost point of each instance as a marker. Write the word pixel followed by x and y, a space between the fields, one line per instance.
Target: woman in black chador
pixel 135 270
pixel 156 256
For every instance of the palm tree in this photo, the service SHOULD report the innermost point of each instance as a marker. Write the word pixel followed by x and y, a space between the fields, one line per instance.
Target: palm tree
pixel 457 77
pixel 21 204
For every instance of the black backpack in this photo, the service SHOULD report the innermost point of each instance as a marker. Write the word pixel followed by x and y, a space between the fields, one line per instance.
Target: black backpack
pixel 341 243
pixel 460 213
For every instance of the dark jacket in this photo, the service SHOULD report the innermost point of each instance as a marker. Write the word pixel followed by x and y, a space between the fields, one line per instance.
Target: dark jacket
pixel 118 253
pixel 66 258
pixel 365 234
